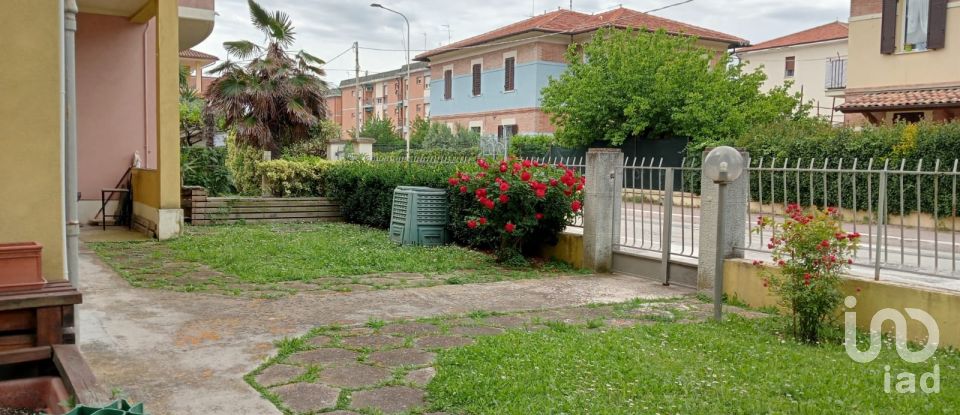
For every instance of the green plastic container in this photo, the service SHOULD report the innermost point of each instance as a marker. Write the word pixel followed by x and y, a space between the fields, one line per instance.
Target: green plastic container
pixel 419 216
pixel 117 407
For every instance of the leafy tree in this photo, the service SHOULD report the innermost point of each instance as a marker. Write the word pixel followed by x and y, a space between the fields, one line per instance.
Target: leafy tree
pixel 191 120
pixel 276 98
pixel 382 130
pixel 439 135
pixel 418 131
pixel 638 83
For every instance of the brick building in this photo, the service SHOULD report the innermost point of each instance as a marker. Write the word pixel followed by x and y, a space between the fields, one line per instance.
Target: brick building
pixel 382 97
pixel 904 59
pixel 491 82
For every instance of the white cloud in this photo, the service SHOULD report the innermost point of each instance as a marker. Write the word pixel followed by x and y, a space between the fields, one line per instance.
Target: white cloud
pixel 328 27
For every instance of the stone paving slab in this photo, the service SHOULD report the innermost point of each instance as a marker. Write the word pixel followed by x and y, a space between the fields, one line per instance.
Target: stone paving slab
pixel 307 397
pixel 393 381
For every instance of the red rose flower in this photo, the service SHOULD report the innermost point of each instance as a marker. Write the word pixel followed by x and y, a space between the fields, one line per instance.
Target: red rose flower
pixel 472 224
pixel 553 182
pixel 540 193
pixel 483 220
pixel 503 168
pixel 453 181
pixel 525 176
pixel 504 199
pixel 509 227
pixel 463 189
pixel 481 192
pixel 504 186
pixel 527 163
pixel 538 216
pixel 576 205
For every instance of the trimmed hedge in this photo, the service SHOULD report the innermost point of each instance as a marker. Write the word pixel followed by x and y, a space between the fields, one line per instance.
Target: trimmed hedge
pixel 300 177
pixel 810 140
pixel 364 189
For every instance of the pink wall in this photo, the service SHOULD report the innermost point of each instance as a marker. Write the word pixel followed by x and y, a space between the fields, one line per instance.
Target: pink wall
pixel 116 87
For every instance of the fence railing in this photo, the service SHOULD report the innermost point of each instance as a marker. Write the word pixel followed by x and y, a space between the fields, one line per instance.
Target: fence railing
pixel 906 211
pixel 836 73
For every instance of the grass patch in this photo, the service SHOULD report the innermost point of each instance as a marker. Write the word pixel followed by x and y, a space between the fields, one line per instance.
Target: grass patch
pixel 741 366
pixel 342 255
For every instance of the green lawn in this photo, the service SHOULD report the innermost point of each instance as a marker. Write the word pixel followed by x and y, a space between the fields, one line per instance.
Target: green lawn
pixel 332 256
pixel 740 367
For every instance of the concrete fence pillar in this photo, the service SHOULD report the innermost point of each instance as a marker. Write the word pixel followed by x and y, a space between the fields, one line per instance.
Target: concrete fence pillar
pixel 604 179
pixel 734 223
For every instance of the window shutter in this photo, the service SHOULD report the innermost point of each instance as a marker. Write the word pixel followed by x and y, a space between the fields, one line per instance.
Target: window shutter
pixel 499 131
pixel 514 130
pixel 476 79
pixel 888 27
pixel 508 73
pixel 937 24
pixel 447 84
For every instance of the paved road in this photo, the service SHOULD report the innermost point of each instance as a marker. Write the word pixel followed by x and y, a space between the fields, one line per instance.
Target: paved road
pixel 911 255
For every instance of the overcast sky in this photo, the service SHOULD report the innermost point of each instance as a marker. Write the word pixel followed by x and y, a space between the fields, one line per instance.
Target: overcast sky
pixel 326 28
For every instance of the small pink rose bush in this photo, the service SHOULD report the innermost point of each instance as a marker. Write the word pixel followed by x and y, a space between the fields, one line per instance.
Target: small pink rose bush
pixel 510 202
pixel 811 251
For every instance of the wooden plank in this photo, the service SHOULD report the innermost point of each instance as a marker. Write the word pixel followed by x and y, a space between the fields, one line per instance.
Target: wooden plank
pixel 257 209
pixel 77 376
pixel 269 215
pixel 49 326
pixel 29 354
pixel 17 341
pixel 280 220
pixel 13 320
pixel 48 299
pixel 269 199
pixel 210 204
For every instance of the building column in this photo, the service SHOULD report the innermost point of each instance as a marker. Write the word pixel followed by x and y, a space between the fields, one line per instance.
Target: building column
pixel 170 221
pixel 199 77
pixel 605 177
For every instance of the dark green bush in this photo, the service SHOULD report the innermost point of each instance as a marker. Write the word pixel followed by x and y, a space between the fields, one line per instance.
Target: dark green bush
pixel 204 166
pixel 537 145
pixel 365 189
pixel 442 153
pixel 817 144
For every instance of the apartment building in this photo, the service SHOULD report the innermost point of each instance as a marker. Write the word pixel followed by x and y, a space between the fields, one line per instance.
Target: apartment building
pixel 491 82
pixel 904 61
pixel 381 96
pixel 196 61
pixel 814 60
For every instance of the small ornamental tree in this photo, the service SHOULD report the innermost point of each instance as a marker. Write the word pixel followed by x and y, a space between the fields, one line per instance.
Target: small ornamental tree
pixel 518 201
pixel 812 251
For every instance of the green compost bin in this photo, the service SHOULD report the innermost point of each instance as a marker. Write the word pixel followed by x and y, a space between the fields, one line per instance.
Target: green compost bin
pixel 419 216
pixel 118 407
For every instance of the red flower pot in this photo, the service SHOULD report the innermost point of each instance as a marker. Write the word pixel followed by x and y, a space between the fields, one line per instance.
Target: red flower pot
pixel 20 266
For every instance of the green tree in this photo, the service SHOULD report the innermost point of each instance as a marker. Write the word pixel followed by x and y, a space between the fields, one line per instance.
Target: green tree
pixel 277 97
pixel 638 83
pixel 439 135
pixel 418 131
pixel 382 130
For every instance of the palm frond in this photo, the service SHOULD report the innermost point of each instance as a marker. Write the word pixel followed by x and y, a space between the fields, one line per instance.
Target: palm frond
pixel 225 66
pixel 242 49
pixel 282 28
pixel 260 17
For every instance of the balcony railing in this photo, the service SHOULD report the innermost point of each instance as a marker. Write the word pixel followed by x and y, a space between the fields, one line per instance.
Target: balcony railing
pixel 836 75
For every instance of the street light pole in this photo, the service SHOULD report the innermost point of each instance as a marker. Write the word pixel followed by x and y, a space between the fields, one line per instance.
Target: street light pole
pixel 723 165
pixel 405 88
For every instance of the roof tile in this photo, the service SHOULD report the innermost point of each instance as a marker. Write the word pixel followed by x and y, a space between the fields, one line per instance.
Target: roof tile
pixel 917 98
pixel 573 22
pixel 829 31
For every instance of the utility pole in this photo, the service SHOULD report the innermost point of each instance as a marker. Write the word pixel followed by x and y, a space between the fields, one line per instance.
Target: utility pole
pixel 356 59
pixel 446 26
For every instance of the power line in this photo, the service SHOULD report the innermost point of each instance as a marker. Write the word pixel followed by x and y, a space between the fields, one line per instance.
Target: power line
pixel 563 32
pixel 338 55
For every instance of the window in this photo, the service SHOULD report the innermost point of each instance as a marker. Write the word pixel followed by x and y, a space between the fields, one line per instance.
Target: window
pixel 908 117
pixel 419 80
pixel 475 129
pixel 418 108
pixel 509 73
pixel 916 22
pixel 790 66
pixel 448 84
pixel 476 79
pixel 507 131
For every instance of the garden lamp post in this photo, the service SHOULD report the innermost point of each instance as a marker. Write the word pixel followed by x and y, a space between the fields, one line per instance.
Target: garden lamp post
pixel 723 165
pixel 405 88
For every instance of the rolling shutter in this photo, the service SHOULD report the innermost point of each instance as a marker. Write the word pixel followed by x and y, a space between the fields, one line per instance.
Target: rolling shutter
pixel 888 28
pixel 937 24
pixel 447 84
pixel 476 79
pixel 508 73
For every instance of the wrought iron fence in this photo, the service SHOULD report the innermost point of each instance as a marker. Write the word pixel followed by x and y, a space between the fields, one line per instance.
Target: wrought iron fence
pixel 906 211
pixel 659 207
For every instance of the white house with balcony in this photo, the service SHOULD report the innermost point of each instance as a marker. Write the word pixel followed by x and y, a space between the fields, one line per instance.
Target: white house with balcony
pixel 815 60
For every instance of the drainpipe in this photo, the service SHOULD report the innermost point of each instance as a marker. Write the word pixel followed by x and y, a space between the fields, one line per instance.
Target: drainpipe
pixel 70 140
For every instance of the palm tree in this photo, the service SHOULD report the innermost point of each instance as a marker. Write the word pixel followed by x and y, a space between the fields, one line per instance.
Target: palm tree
pixel 276 97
